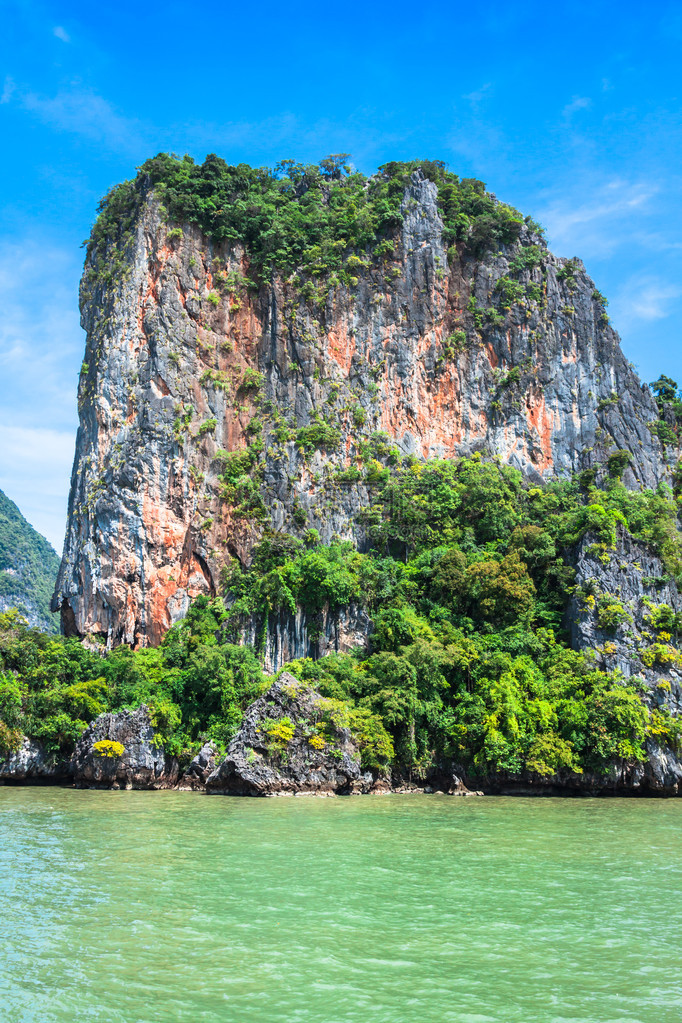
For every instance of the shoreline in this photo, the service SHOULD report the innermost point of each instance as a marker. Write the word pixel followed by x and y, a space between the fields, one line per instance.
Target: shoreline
pixel 508 792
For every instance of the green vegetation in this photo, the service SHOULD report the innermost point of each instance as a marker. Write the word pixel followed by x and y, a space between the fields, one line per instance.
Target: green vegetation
pixel 318 434
pixel 195 685
pixel 467 589
pixel 208 426
pixel 241 478
pixel 317 224
pixel 28 567
pixel 466 584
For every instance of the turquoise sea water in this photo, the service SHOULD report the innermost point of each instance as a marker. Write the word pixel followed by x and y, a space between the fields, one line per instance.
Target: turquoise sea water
pixel 133 907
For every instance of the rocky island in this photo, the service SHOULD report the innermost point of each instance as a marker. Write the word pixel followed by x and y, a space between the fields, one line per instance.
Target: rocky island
pixel 367 435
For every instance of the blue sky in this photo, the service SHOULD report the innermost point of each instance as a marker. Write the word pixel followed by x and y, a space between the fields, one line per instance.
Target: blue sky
pixel 571 112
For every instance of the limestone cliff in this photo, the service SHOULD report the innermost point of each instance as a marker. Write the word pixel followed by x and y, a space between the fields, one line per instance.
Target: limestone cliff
pixel 215 400
pixel 628 610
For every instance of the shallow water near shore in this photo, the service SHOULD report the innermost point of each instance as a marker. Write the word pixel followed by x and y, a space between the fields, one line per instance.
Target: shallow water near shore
pixel 138 907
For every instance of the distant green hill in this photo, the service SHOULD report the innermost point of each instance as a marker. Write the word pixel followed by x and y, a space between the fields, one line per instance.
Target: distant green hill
pixel 28 568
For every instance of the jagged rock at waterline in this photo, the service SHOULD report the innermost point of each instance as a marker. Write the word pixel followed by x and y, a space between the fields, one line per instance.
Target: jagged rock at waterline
pixel 280 748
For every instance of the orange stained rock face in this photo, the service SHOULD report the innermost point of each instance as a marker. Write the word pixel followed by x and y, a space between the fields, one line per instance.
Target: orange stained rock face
pixel 492 355
pixel 541 420
pixel 171 565
pixel 341 347
pixel 162 526
pixel 156 263
pixel 444 418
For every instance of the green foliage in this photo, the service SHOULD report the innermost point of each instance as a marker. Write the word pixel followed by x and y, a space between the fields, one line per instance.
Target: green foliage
pixel 610 612
pixel 359 415
pixel 318 434
pixel 279 732
pixel 195 684
pixel 284 574
pixel 617 463
pixel 605 403
pixel 668 428
pixel 665 390
pixel 252 381
pixel 208 426
pixel 467 588
pixel 454 343
pixel 662 617
pixel 470 214
pixel 504 702
pixel 321 228
pixel 527 258
pixel 463 575
pixel 568 272
pixel 241 478
pixel 662 655
pixel 510 292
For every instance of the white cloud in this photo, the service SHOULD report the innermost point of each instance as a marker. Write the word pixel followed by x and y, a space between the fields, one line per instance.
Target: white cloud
pixel 577 103
pixel 645 299
pixel 41 347
pixel 41 342
pixel 61 33
pixel 7 90
pixel 82 112
pixel 476 97
pixel 35 467
pixel 596 228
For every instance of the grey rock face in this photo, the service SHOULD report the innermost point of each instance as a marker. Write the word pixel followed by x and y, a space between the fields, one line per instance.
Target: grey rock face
pixel 143 764
pixel 167 387
pixel 279 749
pixel 31 763
pixel 202 765
pixel 632 582
pixel 289 637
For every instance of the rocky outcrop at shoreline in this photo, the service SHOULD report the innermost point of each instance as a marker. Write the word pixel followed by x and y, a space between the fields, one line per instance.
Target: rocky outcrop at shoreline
pixel 32 764
pixel 289 743
pixel 122 751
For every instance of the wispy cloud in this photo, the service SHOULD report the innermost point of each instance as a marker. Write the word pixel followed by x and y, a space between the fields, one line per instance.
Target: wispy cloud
pixel 647 299
pixel 83 112
pixel 40 337
pixel 86 113
pixel 41 347
pixel 61 33
pixel 597 227
pixel 577 103
pixel 35 465
pixel 476 98
pixel 7 90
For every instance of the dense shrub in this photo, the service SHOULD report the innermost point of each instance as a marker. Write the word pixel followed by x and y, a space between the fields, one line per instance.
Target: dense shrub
pixel 466 581
pixel 301 220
